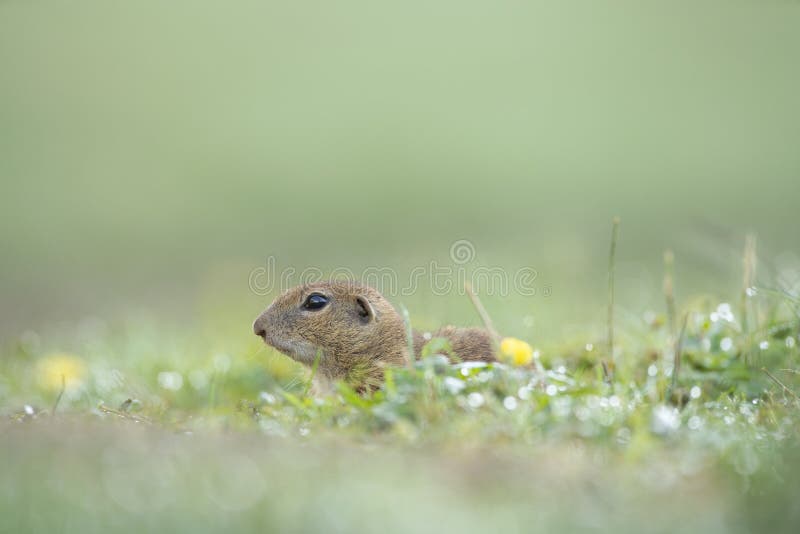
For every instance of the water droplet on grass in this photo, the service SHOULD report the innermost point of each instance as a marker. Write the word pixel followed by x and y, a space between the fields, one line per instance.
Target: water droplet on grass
pixel 475 400
pixel 729 419
pixel 695 422
pixel 171 380
pixel 265 397
pixel 665 420
pixel 453 385
pixel 724 312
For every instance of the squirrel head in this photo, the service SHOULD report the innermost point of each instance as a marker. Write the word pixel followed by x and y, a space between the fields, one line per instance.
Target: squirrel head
pixel 341 321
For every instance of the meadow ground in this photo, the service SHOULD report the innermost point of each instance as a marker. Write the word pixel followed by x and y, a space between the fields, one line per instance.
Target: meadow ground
pixel 127 427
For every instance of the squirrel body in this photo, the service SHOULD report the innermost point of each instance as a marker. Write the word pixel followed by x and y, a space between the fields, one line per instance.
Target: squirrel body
pixel 355 331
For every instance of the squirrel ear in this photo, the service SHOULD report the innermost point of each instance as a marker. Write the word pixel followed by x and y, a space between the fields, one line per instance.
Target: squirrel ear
pixel 365 310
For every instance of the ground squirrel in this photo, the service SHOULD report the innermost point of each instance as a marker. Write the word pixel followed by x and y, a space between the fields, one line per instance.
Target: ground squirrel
pixel 355 331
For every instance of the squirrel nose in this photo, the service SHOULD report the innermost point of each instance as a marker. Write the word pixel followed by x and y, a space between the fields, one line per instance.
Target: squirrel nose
pixel 259 330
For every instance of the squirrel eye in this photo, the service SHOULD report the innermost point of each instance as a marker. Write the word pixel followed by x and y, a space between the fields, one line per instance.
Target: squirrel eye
pixel 315 301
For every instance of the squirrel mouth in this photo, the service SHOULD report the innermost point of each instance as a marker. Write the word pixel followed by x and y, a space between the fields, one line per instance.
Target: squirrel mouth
pixel 302 352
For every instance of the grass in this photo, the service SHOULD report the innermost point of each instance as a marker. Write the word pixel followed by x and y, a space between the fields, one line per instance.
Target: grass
pixel 131 427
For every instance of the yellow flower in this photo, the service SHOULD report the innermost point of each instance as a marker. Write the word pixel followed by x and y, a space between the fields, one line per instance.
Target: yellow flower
pixel 515 351
pixel 61 369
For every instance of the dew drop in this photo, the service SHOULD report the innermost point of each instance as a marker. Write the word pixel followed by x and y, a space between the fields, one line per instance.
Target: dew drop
pixel 695 422
pixel 453 385
pixel 171 380
pixel 475 400
pixel 510 403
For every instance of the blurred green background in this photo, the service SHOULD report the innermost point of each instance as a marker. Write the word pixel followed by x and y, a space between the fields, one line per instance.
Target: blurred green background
pixel 151 156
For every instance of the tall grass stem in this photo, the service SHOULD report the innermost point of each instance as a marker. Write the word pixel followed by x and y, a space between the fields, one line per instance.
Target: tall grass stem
pixel 612 257
pixel 669 290
pixel 487 321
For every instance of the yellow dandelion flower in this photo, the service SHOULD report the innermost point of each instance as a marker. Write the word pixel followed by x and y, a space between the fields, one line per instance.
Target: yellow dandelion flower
pixel 58 369
pixel 515 351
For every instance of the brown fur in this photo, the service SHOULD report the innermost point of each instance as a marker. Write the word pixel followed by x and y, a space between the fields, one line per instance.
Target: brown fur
pixel 354 347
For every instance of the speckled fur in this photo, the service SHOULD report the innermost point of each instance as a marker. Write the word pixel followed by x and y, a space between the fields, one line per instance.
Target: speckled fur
pixel 351 347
